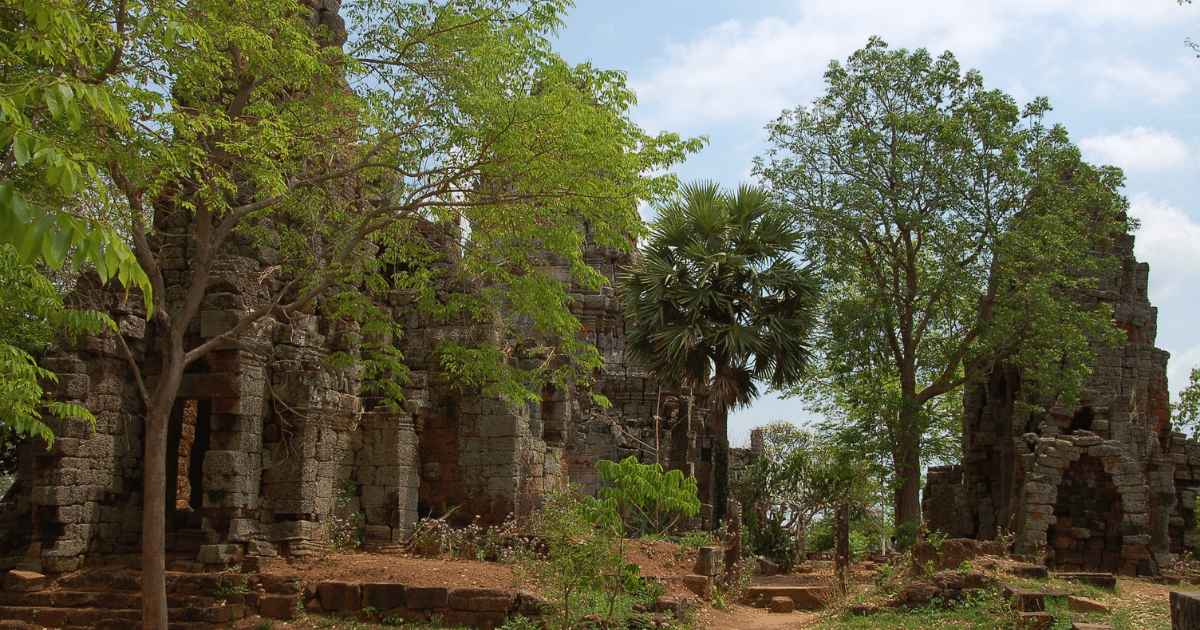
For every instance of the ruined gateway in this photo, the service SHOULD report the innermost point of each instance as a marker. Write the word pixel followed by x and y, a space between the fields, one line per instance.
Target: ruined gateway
pixel 1104 486
pixel 271 446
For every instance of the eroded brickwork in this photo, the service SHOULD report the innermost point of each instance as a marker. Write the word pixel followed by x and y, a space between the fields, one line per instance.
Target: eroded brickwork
pixel 271 442
pixel 1104 485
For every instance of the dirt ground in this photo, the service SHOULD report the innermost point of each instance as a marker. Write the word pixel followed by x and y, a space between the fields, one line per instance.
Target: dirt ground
pixel 657 559
pixel 1143 601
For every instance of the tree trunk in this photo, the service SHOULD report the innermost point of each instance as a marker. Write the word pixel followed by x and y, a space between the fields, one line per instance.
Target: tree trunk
pixel 801 540
pixel 154 511
pixel 720 463
pixel 908 471
pixel 154 492
pixel 842 543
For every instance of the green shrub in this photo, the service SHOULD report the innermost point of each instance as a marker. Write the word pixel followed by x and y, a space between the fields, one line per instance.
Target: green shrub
pixel 649 500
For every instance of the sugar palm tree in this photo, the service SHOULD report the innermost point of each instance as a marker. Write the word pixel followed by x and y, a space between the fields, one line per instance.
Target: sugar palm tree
pixel 718 300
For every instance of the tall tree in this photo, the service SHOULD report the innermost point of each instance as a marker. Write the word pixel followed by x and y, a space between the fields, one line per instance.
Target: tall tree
pixel 276 124
pixel 717 299
pixel 950 239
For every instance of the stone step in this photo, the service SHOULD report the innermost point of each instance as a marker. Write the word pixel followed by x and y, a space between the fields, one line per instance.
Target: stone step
pixel 96 599
pixel 804 597
pixel 1104 580
pixel 102 617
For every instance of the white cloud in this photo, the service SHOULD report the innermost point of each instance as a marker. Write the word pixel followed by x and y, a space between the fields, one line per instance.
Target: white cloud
pixel 751 71
pixel 1179 370
pixel 1170 241
pixel 1125 78
pixel 1138 149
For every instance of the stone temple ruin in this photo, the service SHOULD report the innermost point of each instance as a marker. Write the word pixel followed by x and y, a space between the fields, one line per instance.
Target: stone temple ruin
pixel 270 444
pixel 1104 486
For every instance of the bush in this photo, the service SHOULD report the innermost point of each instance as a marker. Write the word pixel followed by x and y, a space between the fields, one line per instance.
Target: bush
pixel 768 539
pixel 649 500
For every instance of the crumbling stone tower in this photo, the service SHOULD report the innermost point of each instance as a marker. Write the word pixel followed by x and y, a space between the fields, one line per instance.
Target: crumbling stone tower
pixel 1103 486
pixel 271 443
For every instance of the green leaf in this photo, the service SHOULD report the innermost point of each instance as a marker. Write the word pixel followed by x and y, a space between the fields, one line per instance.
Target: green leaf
pixel 21 148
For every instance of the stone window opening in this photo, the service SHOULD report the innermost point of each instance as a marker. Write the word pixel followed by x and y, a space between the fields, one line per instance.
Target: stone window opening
pixel 189 437
pixel 553 426
pixel 1086 535
pixel 1082 420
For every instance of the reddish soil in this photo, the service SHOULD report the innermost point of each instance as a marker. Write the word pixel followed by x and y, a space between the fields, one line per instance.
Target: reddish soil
pixel 656 558
pixel 412 571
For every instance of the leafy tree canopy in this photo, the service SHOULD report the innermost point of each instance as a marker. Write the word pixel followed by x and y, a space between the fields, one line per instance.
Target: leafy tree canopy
pixel 31 312
pixel 336 151
pixel 718 299
pixel 801 475
pixel 950 236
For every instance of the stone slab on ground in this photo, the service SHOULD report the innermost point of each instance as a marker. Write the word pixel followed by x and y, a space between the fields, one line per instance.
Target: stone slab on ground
pixel 1083 605
pixel 782 605
pixel 1035 571
pixel 1035 621
pixel 804 597
pixel 1104 580
pixel 1185 611
pixel 24 582
pixel 1090 626
pixel 1025 599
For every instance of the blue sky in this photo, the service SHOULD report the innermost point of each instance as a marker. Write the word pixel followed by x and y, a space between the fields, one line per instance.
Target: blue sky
pixel 1116 72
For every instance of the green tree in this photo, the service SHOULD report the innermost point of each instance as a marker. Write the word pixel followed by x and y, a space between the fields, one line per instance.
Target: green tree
pixel 31 313
pixel 950 239
pixel 718 300
pixel 648 500
pixel 1187 412
pixel 800 476
pixel 329 144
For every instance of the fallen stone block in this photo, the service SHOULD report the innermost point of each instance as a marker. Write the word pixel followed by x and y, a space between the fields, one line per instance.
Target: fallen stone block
pixel 1025 599
pixel 709 561
pixel 1185 611
pixel 701 585
pixel 1033 571
pixel 782 605
pixel 1103 580
pixel 24 582
pixel 278 606
pixel 1084 605
pixel 1035 621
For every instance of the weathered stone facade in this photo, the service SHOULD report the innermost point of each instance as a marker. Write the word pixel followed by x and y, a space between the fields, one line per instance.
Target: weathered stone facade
pixel 272 447
pixel 1105 485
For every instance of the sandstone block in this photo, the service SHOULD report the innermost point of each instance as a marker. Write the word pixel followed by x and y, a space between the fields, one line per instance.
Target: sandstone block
pixel 220 554
pixel 709 561
pixel 340 596
pixel 482 600
pixel 278 606
pixel 1035 621
pixel 701 585
pixel 1025 599
pixel 383 596
pixel 1185 611
pixel 1083 605
pixel 1035 571
pixel 782 605
pixel 24 582
pixel 420 598
pixel 531 604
